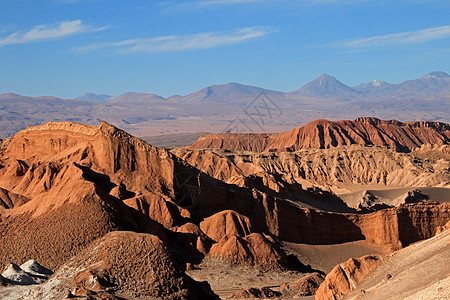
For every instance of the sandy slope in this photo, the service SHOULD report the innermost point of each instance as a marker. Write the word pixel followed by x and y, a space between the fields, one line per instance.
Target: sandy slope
pixel 420 271
pixel 325 257
pixel 396 196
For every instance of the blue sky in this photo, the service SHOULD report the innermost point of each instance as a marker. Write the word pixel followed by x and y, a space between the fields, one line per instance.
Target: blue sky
pixel 65 48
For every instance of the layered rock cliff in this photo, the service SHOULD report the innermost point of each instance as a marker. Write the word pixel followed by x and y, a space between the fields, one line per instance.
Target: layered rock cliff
pixel 323 134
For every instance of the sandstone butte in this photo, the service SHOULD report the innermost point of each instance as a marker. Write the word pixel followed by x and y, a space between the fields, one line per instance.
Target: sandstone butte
pixel 323 134
pixel 65 187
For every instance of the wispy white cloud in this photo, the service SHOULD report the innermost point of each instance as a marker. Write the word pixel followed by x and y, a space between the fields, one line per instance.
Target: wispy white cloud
pixel 47 32
pixel 395 39
pixel 182 42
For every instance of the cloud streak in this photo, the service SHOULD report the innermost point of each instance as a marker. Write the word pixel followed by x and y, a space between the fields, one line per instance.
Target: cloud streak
pixel 396 39
pixel 173 43
pixel 48 32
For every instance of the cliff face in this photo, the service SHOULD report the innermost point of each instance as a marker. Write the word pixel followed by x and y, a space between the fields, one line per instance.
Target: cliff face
pixel 391 228
pixel 323 134
pixel 104 149
pixel 404 225
pixel 345 166
pixel 65 185
pixel 235 141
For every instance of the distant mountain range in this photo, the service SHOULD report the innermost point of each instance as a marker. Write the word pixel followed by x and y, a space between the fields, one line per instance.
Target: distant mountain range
pixel 229 93
pixel 216 108
pixel 94 97
pixel 324 86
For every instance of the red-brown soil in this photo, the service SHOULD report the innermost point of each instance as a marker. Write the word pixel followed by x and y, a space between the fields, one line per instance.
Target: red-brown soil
pixel 123 264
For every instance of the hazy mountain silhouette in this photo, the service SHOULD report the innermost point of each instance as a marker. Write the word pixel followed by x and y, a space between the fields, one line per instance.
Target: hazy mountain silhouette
pixel 435 83
pixel 229 93
pixel 94 97
pixel 326 86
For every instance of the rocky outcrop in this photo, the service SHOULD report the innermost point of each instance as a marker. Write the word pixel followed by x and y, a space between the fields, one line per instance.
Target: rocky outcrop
pixel 65 184
pixel 224 223
pixel 366 131
pixel 391 228
pixel 128 263
pixel 163 211
pixel 103 149
pixel 29 273
pixel 398 227
pixel 192 238
pixel 255 293
pixel 234 141
pixel 326 168
pixel 254 250
pixel 346 276
pixel 305 286
pixel 10 200
pixel 323 134
pixel 83 182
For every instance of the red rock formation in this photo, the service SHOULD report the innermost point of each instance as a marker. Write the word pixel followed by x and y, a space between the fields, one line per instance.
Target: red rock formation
pixel 156 208
pixel 227 222
pixel 70 180
pixel 83 182
pixel 235 141
pixel 305 286
pixel 392 228
pixel 419 271
pixel 255 293
pixel 104 149
pixel 323 134
pixel 9 200
pixel 341 166
pixel 254 249
pixel 130 264
pixel 344 277
pixel 190 235
pixel 398 227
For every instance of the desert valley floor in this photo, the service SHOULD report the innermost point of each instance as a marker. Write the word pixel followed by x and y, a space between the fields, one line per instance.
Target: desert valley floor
pixel 330 210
